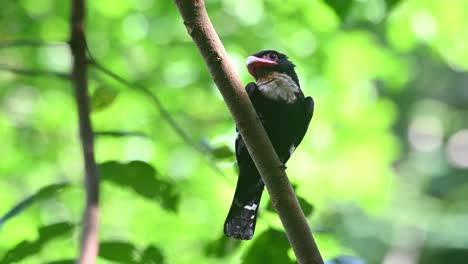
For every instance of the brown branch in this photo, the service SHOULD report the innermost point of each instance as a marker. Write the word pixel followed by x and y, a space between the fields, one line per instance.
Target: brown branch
pixel 281 192
pixel 34 73
pixel 89 237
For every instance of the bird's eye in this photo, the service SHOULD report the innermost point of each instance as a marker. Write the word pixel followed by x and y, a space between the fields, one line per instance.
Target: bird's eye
pixel 273 56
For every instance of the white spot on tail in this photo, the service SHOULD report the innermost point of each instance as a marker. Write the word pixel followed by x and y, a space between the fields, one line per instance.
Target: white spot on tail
pixel 252 208
pixel 291 150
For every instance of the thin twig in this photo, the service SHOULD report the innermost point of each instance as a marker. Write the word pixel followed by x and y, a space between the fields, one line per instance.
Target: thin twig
pixel 282 195
pixel 165 114
pixel 120 133
pixel 89 237
pixel 29 43
pixel 34 73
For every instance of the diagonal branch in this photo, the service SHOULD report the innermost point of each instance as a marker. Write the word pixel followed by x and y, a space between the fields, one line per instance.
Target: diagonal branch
pixel 281 192
pixel 89 236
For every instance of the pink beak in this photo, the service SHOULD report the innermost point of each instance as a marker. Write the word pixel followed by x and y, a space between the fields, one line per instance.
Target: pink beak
pixel 255 62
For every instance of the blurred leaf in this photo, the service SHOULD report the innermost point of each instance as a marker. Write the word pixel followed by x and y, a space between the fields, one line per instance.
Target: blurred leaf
pixel 345 260
pixel 152 255
pixel 357 231
pixel 119 251
pixel 391 4
pixel 264 250
pixel 221 247
pixel 307 208
pixel 26 248
pixel 141 177
pixel 43 193
pixel 222 152
pixel 436 255
pixel 102 98
pixel 341 7
pixel 126 252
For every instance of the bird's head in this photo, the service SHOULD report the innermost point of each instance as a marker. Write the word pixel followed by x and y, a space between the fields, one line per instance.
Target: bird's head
pixel 267 61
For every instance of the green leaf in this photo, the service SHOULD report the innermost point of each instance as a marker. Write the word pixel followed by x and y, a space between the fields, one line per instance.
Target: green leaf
pixel 221 247
pixel 391 4
pixel 27 248
pixel 152 255
pixel 270 246
pixel 142 178
pixel 102 98
pixel 41 194
pixel 222 152
pixel 126 252
pixel 118 251
pixel 341 7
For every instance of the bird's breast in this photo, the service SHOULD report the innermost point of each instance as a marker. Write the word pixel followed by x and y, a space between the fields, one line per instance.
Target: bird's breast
pixel 278 87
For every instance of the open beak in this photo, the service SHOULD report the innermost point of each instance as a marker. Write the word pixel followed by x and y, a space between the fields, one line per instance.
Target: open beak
pixel 254 63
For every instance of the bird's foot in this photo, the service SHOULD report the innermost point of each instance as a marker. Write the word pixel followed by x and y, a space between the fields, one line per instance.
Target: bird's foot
pixel 283 166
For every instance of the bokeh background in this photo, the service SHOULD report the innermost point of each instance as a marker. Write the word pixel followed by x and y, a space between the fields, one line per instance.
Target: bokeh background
pixel 382 173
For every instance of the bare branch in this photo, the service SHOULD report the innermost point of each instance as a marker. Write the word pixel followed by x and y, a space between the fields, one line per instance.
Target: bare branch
pixel 281 192
pixel 34 73
pixel 89 237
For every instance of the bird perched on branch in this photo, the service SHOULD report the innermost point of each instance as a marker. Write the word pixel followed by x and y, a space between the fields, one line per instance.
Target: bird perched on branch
pixel 285 114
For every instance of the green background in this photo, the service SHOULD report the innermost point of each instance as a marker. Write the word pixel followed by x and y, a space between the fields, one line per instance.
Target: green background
pixel 382 171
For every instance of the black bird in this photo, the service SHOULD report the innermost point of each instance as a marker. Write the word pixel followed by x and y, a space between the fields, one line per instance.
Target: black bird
pixel 285 114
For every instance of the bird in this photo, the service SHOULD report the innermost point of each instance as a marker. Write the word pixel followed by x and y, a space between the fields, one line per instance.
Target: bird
pixel 285 114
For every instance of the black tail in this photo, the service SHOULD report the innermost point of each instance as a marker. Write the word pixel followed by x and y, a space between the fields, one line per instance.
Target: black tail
pixel 242 217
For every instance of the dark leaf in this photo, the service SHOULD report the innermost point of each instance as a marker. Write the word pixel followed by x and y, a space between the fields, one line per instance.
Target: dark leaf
pixel 270 246
pixel 152 255
pixel 391 4
pixel 221 247
pixel 43 193
pixel 102 98
pixel 118 251
pixel 222 152
pixel 142 178
pixel 345 260
pixel 341 7
pixel 28 248
pixel 307 208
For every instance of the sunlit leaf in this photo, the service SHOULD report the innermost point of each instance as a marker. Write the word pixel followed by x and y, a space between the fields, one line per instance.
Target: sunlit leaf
pixel 43 193
pixel 143 179
pixel 264 251
pixel 102 97
pixel 28 248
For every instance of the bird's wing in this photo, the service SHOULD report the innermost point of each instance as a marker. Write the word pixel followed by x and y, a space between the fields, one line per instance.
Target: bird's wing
pixel 302 125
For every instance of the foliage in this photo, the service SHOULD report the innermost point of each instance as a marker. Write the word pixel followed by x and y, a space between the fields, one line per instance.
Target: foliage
pixel 382 172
